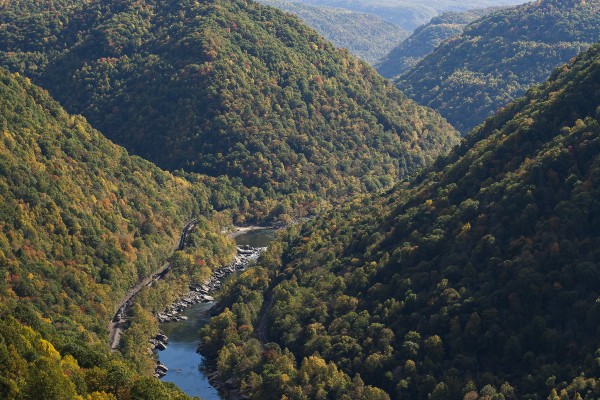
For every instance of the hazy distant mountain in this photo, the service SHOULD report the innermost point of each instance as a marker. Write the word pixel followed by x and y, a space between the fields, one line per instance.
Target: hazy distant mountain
pixel 410 14
pixel 367 36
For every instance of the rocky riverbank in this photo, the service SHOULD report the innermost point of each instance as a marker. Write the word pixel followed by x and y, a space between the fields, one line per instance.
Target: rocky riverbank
pixel 198 293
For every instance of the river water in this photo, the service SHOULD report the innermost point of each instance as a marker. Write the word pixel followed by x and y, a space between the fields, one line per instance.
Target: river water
pixel 185 365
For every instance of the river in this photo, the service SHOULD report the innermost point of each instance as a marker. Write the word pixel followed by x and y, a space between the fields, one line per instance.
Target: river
pixel 185 365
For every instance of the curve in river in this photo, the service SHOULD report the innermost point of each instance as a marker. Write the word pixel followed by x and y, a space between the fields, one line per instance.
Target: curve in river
pixel 185 365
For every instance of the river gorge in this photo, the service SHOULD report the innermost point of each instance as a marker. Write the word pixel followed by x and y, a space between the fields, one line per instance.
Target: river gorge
pixel 186 367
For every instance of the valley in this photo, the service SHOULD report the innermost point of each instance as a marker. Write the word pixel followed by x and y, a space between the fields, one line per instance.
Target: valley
pixel 150 149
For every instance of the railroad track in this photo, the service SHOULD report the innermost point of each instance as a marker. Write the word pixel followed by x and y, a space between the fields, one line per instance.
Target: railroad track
pixel 116 325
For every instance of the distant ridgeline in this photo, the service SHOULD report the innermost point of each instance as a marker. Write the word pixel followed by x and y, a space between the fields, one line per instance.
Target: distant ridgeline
pixel 225 88
pixel 81 222
pixel 424 40
pixel 478 280
pixel 499 56
pixel 410 14
pixel 367 36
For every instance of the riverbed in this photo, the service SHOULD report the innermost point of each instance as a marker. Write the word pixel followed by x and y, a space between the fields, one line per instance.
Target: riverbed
pixel 185 365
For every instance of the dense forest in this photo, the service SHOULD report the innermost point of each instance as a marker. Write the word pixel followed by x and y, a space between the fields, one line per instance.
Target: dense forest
pixel 424 40
pixel 367 36
pixel 225 88
pixel 431 267
pixel 477 280
pixel 81 223
pixel 499 56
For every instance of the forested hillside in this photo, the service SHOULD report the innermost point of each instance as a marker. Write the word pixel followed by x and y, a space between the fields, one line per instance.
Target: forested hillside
pixel 81 222
pixel 225 88
pixel 367 36
pixel 499 56
pixel 424 40
pixel 477 280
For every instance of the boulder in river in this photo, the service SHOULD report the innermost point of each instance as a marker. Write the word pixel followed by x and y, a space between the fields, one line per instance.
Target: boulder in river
pixel 162 367
pixel 160 345
pixel 162 337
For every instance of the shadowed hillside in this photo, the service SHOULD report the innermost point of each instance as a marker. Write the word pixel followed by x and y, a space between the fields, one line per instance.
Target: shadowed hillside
pixel 477 280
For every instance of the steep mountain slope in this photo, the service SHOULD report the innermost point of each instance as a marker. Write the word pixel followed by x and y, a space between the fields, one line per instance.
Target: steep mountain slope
pixel 81 222
pixel 410 14
pixel 424 40
pixel 499 56
pixel 228 87
pixel 479 279
pixel 367 36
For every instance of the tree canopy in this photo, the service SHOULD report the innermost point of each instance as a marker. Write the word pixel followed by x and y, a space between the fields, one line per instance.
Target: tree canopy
pixel 225 88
